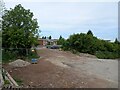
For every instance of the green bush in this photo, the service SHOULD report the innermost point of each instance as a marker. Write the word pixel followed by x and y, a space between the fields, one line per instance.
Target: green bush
pixel 32 54
pixel 11 55
pixel 8 55
pixel 6 82
pixel 87 43
pixel 106 55
pixel 19 81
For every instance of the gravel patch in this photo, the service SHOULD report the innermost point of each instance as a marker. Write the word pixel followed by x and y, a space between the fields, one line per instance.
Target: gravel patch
pixel 87 55
pixel 19 63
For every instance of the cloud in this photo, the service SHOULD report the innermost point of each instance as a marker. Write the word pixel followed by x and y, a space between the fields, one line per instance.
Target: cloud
pixel 61 0
pixel 66 18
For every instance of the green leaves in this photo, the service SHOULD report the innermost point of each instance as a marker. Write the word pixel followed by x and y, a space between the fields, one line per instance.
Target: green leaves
pixel 87 43
pixel 61 41
pixel 89 33
pixel 19 28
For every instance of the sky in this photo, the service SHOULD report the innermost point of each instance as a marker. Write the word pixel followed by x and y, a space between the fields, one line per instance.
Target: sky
pixel 57 18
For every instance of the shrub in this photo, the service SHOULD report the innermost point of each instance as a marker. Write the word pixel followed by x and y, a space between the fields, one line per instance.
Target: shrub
pixel 11 55
pixel 6 82
pixel 8 55
pixel 19 81
pixel 32 54
pixel 87 43
pixel 106 55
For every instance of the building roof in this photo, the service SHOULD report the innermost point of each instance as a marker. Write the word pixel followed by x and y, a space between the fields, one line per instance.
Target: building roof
pixel 52 40
pixel 42 39
pixel 49 40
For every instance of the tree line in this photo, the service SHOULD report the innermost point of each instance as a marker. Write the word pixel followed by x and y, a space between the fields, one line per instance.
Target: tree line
pixel 44 37
pixel 88 43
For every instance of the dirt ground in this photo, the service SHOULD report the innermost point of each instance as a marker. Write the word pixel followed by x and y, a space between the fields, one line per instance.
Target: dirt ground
pixel 60 69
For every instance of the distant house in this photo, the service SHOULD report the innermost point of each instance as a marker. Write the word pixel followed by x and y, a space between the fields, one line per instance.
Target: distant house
pixel 47 41
pixel 52 41
pixel 42 42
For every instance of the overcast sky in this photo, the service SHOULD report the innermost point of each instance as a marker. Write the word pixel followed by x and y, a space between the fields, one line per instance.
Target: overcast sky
pixel 66 18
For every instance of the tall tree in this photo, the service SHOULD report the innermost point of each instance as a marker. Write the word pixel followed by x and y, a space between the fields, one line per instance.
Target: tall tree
pixel 20 29
pixel 116 41
pixel 45 37
pixel 42 37
pixel 61 40
pixel 60 37
pixel 89 32
pixel 50 37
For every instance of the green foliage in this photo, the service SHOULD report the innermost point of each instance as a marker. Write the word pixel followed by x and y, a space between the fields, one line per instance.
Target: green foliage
pixel 19 81
pixel 8 55
pixel 11 55
pixel 60 41
pixel 32 54
pixel 89 32
pixel 60 37
pixel 106 55
pixel 0 46
pixel 44 37
pixel 81 42
pixel 65 45
pixel 6 82
pixel 87 43
pixel 50 37
pixel 19 32
pixel 116 41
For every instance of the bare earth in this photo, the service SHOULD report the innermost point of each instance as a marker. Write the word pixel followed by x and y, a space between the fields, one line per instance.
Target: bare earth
pixel 60 69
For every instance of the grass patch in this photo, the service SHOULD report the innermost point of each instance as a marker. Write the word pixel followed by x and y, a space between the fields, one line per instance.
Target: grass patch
pixel 106 55
pixel 19 81
pixel 6 82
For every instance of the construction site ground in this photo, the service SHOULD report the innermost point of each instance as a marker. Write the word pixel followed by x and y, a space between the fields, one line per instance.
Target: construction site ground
pixel 62 69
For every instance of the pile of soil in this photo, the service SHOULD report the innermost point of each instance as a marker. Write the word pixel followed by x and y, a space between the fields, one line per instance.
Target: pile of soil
pixel 19 63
